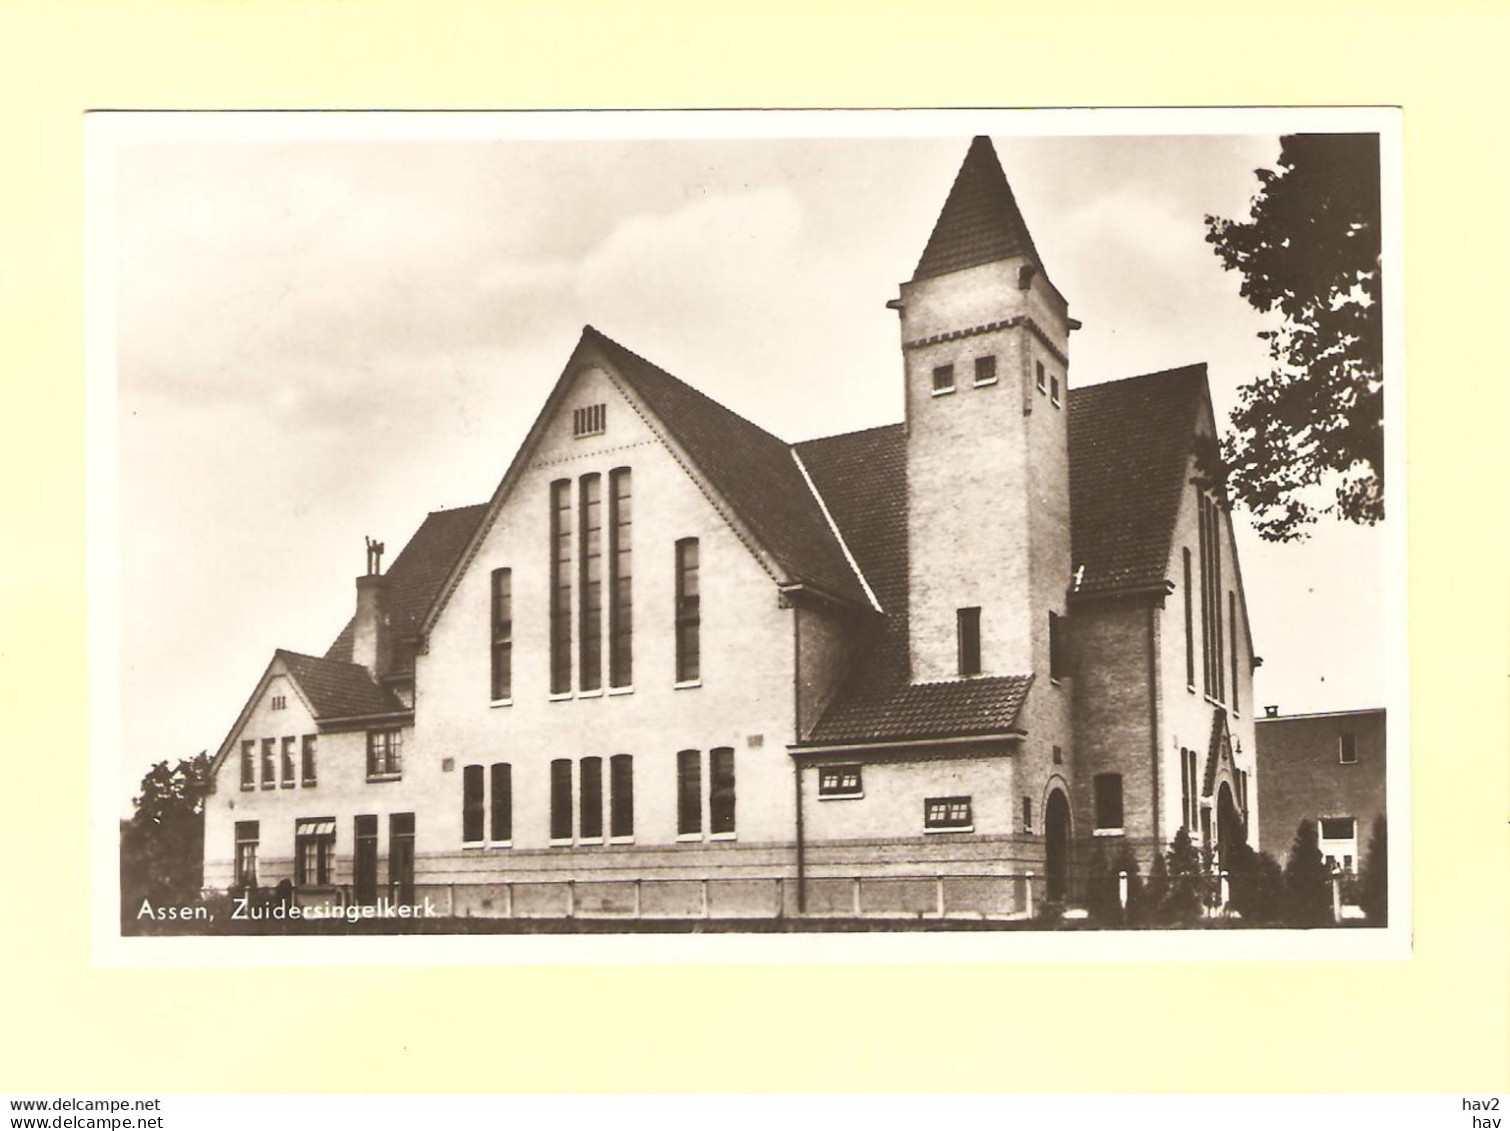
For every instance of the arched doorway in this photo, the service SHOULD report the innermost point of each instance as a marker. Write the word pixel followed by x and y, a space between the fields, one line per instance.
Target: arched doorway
pixel 1229 822
pixel 1056 864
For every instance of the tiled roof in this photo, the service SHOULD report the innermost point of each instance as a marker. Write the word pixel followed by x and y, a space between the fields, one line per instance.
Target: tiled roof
pixel 863 479
pixel 338 690
pixel 977 706
pixel 749 467
pixel 415 577
pixel 1129 443
pixel 980 221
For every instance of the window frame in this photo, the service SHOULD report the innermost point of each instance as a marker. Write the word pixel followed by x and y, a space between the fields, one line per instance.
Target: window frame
pixel 562 815
pixel 621 799
pixel 248 834
pixel 1058 669
pixel 390 742
pixel 837 789
pixel 968 642
pixel 986 362
pixel 590 825
pixel 946 371
pixel 943 814
pixel 590 595
pixel 474 816
pixel 561 592
pixel 689 795
pixel 309 776
pixel 269 763
pixel 620 580
pixel 1027 814
pixel 722 794
pixel 324 845
pixel 689 614
pixel 286 776
pixel 1347 740
pixel 500 801
pixel 248 765
pixel 1101 804
pixel 501 637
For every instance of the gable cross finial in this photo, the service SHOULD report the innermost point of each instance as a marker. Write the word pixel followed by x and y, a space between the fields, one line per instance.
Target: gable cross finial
pixel 374 557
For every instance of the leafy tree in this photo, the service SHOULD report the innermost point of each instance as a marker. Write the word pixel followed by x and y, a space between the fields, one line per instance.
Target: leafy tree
pixel 1374 883
pixel 1187 879
pixel 162 845
pixel 1308 884
pixel 1311 252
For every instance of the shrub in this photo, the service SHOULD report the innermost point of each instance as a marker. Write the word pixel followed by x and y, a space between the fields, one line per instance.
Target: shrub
pixel 1187 880
pixel 1256 884
pixel 1308 884
pixel 1374 883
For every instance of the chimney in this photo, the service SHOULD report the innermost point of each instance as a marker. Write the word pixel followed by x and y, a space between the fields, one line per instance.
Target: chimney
pixel 1271 712
pixel 371 645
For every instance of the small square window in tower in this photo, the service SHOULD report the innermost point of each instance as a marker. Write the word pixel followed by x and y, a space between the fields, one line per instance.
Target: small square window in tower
pixel 943 379
pixel 985 370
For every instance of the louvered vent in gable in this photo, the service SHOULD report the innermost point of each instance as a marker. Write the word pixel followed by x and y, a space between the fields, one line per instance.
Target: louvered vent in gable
pixel 589 421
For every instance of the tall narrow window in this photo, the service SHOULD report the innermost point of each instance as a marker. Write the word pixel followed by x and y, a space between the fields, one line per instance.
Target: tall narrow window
pixel 1208 684
pixel 1347 748
pixel 621 574
pixel 249 763
pixel 721 791
pixel 561 587
pixel 1216 600
pixel 471 805
pixel 1042 378
pixel 307 761
pixel 1027 814
pixel 1054 390
pixel 501 828
pixel 1108 791
pixel 401 856
pixel 364 863
pixel 1185 787
pixel 621 807
pixel 269 763
pixel 503 635
pixel 688 613
pixel 968 629
pixel 561 800
pixel 689 793
pixel 246 853
pixel 1058 669
pixel 288 762
pixel 590 631
pixel 1232 643
pixel 590 823
pixel 1189 625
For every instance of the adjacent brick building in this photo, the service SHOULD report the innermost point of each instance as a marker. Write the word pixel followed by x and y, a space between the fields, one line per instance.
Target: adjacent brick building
pixel 1327 768
pixel 678 666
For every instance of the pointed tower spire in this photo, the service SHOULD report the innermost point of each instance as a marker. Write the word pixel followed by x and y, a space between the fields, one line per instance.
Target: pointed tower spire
pixel 980 222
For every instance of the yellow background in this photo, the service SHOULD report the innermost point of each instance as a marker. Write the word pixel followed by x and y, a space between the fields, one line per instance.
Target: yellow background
pixel 1440 1022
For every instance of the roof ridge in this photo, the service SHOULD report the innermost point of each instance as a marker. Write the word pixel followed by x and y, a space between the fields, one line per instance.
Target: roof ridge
pixel 846 435
pixel 318 659
pixel 1172 371
pixel 666 373
pixel 453 510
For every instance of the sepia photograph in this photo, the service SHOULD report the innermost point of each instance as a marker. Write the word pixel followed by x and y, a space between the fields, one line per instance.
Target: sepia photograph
pixel 778 524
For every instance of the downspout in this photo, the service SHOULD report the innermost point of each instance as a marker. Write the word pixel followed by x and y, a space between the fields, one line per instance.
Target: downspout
pixel 797 762
pixel 801 851
pixel 1153 715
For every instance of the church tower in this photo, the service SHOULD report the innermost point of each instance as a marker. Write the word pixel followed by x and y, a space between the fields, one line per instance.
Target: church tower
pixel 985 343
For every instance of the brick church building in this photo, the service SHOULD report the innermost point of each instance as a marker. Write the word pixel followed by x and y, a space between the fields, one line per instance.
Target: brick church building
pixel 676 666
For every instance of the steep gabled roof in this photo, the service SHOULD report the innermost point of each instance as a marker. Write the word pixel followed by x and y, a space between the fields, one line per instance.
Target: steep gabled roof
pixel 1130 442
pixel 751 469
pixel 415 578
pixel 338 690
pixel 980 221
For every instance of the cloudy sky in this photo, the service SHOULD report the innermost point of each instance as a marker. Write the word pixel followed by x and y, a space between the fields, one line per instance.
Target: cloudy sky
pixel 323 340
